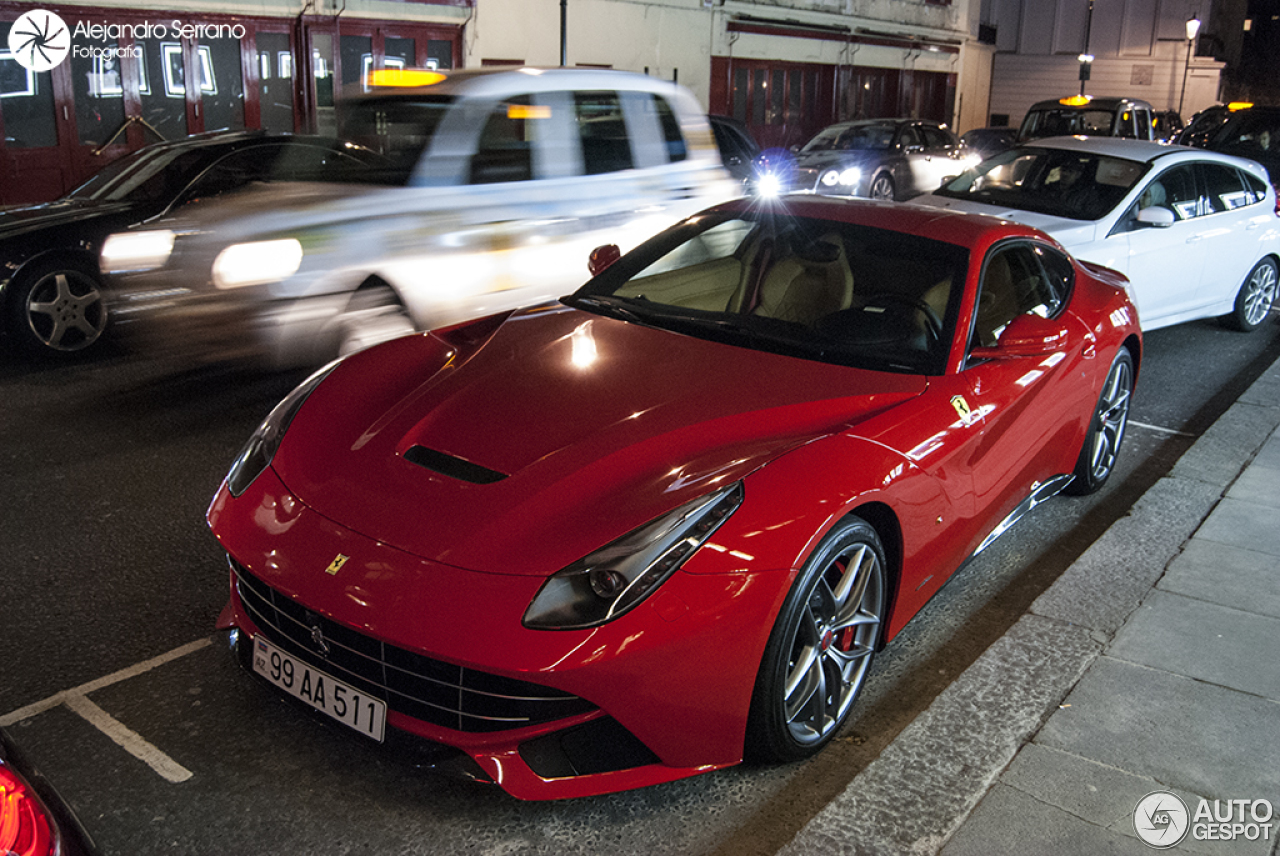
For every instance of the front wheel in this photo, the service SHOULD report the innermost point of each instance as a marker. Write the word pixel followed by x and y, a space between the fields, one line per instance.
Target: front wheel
pixel 58 309
pixel 374 314
pixel 1255 298
pixel 882 187
pixel 821 647
pixel 1097 459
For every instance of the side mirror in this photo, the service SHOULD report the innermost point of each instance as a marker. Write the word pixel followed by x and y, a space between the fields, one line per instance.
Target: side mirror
pixel 1028 335
pixel 1161 217
pixel 602 257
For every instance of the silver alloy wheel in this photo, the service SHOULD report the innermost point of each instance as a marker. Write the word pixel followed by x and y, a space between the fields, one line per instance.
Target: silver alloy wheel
pixel 830 653
pixel 882 188
pixel 65 311
pixel 1110 420
pixel 1259 293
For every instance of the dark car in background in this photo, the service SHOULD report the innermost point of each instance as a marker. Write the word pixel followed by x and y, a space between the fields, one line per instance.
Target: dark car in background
pixel 1207 122
pixel 52 299
pixel 1086 116
pixel 1253 133
pixel 883 159
pixel 738 149
pixel 986 142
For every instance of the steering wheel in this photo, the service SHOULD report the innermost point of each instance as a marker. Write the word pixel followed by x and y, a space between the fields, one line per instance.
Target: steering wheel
pixel 931 320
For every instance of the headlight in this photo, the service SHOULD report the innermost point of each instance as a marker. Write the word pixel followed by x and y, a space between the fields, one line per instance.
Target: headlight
pixel 769 185
pixel 134 251
pixel 257 263
pixel 262 446
pixel 831 177
pixel 618 576
pixel 850 177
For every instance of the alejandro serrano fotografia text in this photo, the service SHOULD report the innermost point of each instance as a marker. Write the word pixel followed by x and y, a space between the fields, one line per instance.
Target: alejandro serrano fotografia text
pixel 148 30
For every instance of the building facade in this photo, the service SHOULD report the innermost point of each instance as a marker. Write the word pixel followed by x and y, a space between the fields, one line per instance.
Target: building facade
pixel 163 69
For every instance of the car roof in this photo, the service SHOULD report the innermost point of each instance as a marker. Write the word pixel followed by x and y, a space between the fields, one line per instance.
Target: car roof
pixel 502 81
pixel 1105 102
pixel 1140 150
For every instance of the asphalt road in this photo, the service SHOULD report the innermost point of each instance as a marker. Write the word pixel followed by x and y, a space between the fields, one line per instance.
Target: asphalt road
pixel 110 585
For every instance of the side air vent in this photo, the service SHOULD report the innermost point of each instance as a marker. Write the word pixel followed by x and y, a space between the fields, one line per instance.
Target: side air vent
pixel 453 467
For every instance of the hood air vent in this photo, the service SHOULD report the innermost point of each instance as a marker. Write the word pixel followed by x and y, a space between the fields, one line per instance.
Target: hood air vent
pixel 448 465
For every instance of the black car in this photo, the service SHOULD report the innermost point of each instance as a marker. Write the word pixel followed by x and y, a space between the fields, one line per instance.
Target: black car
pixel 986 142
pixel 52 299
pixel 33 817
pixel 878 158
pixel 738 149
pixel 1253 133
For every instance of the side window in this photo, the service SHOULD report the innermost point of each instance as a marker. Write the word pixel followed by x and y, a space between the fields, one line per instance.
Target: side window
pixel 232 172
pixel 1144 125
pixel 910 138
pixel 505 150
pixel 1013 284
pixel 676 148
pixel 1174 189
pixel 936 139
pixel 1059 277
pixel 1224 188
pixel 603 132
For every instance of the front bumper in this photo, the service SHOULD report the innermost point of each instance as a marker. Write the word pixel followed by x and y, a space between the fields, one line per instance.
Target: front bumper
pixel 659 694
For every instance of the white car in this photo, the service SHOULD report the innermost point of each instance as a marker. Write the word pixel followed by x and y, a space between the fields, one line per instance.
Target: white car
pixel 1196 233
pixel 497 186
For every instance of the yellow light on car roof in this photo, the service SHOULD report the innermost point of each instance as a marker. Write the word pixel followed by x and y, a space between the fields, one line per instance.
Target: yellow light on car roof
pixel 1075 100
pixel 528 111
pixel 1239 105
pixel 405 77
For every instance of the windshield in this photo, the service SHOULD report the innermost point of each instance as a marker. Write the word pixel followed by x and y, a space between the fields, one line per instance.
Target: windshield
pixel 848 138
pixel 1066 122
pixel 147 174
pixel 814 289
pixel 1249 134
pixel 1058 182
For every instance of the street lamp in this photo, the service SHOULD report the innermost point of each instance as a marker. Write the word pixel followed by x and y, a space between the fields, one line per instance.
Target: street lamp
pixel 1193 29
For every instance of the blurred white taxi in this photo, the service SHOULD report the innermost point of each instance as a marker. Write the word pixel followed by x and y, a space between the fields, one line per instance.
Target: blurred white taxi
pixel 497 185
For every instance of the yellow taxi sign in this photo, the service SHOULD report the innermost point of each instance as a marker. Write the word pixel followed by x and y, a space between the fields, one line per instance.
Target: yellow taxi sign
pixel 1075 100
pixel 405 77
pixel 1239 105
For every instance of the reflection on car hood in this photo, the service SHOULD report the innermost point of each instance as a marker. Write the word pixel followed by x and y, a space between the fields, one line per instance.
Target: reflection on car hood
pixel 21 220
pixel 584 426
pixel 1066 231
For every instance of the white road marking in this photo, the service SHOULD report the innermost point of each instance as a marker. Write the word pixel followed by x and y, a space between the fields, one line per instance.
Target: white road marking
pixel 77 700
pixel 1161 430
pixel 128 739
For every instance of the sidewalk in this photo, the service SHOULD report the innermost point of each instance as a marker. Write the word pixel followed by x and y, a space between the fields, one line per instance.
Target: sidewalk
pixel 1151 665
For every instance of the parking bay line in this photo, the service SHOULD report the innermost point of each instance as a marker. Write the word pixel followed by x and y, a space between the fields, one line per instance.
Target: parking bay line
pixel 1160 430
pixel 77 700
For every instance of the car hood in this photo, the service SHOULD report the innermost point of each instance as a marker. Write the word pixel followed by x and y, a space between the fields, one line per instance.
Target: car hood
pixel 559 432
pixel 1068 232
pixel 20 220
pixel 824 160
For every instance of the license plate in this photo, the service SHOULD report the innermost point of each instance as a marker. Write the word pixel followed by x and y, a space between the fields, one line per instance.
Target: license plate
pixel 352 707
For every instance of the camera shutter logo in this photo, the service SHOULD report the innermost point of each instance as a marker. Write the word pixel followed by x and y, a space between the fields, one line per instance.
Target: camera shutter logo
pixel 1161 819
pixel 39 40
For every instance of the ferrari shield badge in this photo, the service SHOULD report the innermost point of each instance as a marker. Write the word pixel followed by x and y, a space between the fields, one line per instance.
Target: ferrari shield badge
pixel 962 409
pixel 336 565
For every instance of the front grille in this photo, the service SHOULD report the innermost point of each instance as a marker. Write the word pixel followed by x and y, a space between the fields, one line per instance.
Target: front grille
pixel 430 690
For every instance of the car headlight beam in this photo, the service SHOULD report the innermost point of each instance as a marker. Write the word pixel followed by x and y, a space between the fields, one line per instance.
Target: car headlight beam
pixel 614 579
pixel 257 263
pixel 136 251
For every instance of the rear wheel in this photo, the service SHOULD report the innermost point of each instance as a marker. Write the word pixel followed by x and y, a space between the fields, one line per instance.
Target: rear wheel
pixel 1255 297
pixel 821 647
pixel 1106 429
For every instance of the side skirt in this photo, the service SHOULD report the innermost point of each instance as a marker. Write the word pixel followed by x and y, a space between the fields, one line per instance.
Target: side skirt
pixel 1039 493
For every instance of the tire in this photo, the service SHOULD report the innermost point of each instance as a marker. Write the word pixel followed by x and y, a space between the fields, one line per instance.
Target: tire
pixel 821 647
pixel 1256 296
pixel 57 308
pixel 1106 428
pixel 375 314
pixel 882 188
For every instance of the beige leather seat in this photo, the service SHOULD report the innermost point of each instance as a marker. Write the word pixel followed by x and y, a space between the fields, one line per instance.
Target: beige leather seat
pixel 811 282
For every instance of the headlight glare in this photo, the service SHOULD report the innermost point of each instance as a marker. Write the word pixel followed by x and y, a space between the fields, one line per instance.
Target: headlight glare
pixel 136 251
pixel 257 453
pixel 850 176
pixel 614 579
pixel 257 263
pixel 831 177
